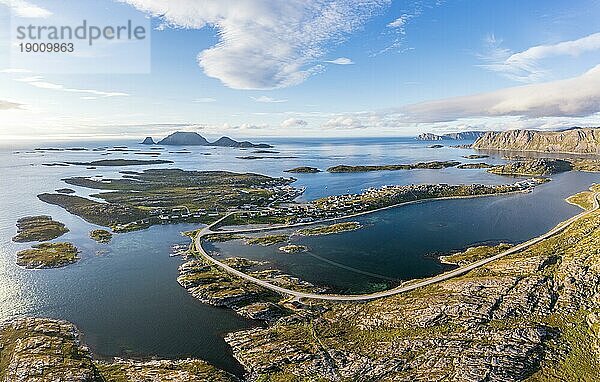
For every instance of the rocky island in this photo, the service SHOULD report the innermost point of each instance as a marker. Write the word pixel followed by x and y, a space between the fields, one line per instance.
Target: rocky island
pixel 38 228
pixel 304 170
pixel 183 138
pixel 48 255
pixel 393 167
pixel 101 236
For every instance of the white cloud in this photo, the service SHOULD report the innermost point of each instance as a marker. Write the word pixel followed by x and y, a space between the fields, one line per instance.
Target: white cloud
pixel 6 105
pixel 525 66
pixel 401 22
pixel 265 44
pixel 39 82
pixel 573 97
pixel 344 122
pixel 204 100
pixel 293 122
pixel 265 99
pixel 341 61
pixel 25 9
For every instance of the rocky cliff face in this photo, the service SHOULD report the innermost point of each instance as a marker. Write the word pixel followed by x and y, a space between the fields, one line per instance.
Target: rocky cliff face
pixel 580 140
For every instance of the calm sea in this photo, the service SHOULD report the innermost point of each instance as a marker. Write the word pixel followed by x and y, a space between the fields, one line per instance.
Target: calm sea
pixel 124 295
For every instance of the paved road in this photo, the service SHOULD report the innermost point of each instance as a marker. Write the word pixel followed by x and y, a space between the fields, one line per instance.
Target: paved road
pixel 390 292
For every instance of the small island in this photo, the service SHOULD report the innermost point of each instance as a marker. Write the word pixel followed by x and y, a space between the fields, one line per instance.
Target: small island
pixel 38 228
pixel 330 229
pixel 474 165
pixel 121 162
pixel 101 236
pixel 435 146
pixel 394 167
pixel 267 240
pixel 304 170
pixel 65 191
pixel 293 248
pixel 148 141
pixel 48 255
pixel 476 156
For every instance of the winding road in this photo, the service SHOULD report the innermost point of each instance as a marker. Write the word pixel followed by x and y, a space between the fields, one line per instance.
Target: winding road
pixel 408 286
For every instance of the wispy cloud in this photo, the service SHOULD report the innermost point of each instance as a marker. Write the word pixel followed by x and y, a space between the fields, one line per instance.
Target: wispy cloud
pixel 204 100
pixel 39 82
pixel 265 99
pixel 26 9
pixel 525 66
pixel 265 44
pixel 293 122
pixel 341 61
pixel 6 105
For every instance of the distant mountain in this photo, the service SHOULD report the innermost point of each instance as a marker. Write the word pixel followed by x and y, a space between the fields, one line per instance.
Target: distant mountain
pixel 148 141
pixel 462 136
pixel 182 138
pixel 575 140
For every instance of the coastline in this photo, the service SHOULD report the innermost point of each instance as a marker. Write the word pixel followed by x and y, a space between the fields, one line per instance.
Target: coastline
pixel 404 287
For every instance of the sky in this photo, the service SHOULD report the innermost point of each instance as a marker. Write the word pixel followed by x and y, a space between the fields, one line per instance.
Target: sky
pixel 332 68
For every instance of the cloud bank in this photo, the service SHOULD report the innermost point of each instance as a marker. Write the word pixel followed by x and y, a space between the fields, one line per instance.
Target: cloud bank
pixel 573 97
pixel 265 44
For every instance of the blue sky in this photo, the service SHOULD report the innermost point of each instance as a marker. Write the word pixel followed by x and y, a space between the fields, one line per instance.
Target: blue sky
pixel 313 68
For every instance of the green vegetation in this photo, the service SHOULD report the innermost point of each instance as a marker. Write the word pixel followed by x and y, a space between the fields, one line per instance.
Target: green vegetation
pixel 584 199
pixel 121 162
pixel 330 229
pixel 190 370
pixel 533 167
pixel 38 228
pixel 393 167
pixel 101 236
pixel 139 200
pixel 587 165
pixel 48 255
pixel 221 237
pixel 104 214
pixel 304 170
pixel 265 241
pixel 474 254
pixel 474 165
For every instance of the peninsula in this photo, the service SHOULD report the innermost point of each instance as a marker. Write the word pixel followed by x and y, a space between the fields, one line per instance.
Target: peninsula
pixel 462 136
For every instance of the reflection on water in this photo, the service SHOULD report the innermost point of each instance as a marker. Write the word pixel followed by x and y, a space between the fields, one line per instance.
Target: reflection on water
pixel 125 298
